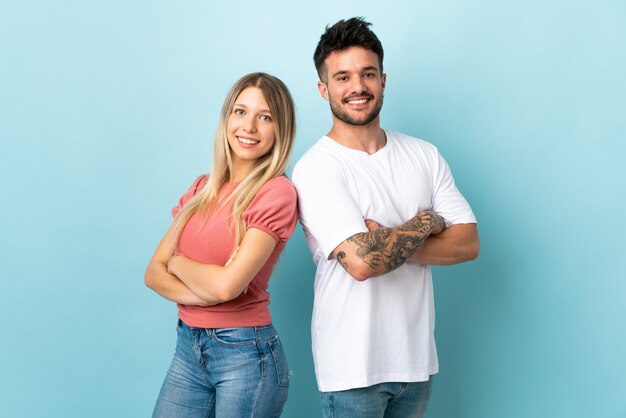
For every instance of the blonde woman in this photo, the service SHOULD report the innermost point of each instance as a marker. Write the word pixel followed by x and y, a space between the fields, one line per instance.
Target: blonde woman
pixel 216 260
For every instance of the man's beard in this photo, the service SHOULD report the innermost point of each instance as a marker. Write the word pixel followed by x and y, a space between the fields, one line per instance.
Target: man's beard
pixel 364 120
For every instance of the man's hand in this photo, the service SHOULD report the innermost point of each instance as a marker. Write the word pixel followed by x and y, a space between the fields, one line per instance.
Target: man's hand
pixel 438 223
pixel 372 225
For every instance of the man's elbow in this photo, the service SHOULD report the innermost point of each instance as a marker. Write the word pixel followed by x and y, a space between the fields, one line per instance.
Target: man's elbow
pixel 359 277
pixel 361 273
pixel 473 250
pixel 355 267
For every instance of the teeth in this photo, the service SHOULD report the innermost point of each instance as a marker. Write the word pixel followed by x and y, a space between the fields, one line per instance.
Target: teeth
pixel 247 140
pixel 360 101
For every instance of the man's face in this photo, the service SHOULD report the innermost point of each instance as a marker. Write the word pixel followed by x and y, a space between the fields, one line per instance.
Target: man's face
pixel 354 86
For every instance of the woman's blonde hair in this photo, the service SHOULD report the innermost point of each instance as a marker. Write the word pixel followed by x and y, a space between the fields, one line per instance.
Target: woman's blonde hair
pixel 273 164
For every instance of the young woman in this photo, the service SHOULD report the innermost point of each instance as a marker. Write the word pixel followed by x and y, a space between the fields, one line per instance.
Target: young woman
pixel 216 260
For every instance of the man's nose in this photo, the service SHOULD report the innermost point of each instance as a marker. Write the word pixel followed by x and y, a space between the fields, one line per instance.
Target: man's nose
pixel 358 85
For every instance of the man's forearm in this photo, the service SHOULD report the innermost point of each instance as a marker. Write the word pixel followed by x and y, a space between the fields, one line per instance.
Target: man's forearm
pixel 380 251
pixel 457 244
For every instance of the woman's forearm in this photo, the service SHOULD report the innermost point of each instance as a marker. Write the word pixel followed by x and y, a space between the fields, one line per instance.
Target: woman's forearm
pixel 209 281
pixel 171 287
pixel 218 284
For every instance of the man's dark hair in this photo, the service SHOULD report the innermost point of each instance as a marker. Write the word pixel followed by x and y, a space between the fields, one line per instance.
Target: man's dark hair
pixel 343 35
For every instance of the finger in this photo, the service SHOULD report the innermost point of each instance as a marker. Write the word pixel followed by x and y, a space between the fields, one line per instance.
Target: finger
pixel 371 225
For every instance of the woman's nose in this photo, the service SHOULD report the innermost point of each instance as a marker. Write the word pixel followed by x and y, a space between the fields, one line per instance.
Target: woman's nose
pixel 250 125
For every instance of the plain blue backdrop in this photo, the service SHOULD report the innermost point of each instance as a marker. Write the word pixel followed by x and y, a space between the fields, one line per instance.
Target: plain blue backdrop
pixel 107 113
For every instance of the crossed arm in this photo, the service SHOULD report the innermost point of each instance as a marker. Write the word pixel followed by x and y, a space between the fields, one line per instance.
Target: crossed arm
pixel 422 239
pixel 189 282
pixel 456 244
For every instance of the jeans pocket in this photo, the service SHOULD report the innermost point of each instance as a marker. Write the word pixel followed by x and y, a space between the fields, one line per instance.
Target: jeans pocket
pixel 280 361
pixel 235 337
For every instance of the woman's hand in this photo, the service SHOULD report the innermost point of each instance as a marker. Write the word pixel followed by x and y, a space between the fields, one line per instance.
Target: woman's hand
pixel 159 275
pixel 171 264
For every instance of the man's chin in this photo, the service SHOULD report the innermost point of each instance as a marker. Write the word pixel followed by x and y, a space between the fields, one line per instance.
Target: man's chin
pixel 357 119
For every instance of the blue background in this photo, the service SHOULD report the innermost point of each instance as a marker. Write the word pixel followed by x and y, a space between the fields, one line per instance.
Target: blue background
pixel 107 113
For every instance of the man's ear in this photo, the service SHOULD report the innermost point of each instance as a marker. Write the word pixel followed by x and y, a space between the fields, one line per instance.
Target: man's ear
pixel 383 80
pixel 321 86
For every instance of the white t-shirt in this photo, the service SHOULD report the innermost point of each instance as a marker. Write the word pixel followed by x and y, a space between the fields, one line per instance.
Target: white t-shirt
pixel 381 329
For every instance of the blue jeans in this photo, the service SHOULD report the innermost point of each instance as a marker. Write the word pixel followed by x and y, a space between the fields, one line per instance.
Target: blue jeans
pixel 384 400
pixel 225 373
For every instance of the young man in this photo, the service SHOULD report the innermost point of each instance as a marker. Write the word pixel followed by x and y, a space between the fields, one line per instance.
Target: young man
pixel 377 208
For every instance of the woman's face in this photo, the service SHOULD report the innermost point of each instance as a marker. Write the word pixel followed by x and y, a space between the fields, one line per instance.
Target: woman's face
pixel 250 129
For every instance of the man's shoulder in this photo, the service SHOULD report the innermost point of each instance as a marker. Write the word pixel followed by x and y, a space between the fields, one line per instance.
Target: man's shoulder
pixel 318 157
pixel 408 139
pixel 404 142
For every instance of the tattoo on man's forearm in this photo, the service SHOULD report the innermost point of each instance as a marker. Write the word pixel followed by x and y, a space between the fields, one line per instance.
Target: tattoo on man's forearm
pixel 341 256
pixel 423 223
pixel 385 250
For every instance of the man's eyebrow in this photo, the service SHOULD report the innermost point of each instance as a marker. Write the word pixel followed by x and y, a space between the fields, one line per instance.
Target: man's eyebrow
pixel 340 73
pixel 368 68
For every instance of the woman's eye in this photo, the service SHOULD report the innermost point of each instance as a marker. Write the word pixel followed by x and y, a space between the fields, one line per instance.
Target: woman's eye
pixel 266 118
pixel 238 111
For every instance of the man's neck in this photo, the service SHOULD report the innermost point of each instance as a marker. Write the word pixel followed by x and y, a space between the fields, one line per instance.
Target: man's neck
pixel 367 138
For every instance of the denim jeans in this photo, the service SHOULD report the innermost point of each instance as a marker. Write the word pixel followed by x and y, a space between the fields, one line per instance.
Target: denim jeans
pixel 384 400
pixel 225 373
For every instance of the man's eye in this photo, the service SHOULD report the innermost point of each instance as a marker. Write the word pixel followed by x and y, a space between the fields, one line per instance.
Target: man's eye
pixel 342 78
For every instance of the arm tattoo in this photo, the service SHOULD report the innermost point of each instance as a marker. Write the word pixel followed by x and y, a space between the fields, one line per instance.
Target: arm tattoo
pixel 340 258
pixel 386 249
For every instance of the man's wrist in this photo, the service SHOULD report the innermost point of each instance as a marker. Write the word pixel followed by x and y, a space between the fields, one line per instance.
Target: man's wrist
pixel 438 223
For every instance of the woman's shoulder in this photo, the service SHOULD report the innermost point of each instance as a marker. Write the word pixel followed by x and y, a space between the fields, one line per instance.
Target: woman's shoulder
pixel 202 179
pixel 278 190
pixel 274 208
pixel 280 183
pixel 198 184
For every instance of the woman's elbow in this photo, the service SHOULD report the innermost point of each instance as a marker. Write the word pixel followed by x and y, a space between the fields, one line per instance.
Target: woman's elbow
pixel 149 278
pixel 228 289
pixel 223 294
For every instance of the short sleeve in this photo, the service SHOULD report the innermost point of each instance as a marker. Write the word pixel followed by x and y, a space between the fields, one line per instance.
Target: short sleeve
pixel 447 199
pixel 274 209
pixel 195 187
pixel 322 196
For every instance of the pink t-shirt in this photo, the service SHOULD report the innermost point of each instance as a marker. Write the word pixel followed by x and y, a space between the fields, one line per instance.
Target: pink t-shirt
pixel 211 241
